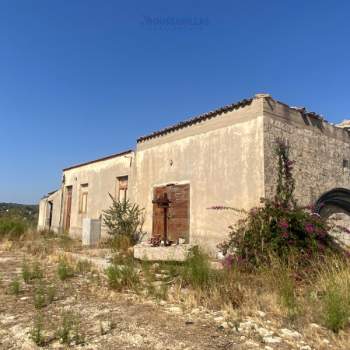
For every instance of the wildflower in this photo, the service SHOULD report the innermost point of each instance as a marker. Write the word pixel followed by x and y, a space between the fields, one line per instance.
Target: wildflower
pixel 285 235
pixel 309 228
pixel 228 261
pixel 283 223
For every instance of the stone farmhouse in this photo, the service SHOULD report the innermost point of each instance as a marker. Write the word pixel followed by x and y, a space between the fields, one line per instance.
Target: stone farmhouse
pixel 223 157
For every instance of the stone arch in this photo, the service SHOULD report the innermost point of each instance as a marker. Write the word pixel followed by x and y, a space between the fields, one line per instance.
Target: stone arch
pixel 334 201
pixel 335 205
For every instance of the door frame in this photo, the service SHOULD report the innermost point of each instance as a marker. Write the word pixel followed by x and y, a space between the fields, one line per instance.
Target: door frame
pixel 67 207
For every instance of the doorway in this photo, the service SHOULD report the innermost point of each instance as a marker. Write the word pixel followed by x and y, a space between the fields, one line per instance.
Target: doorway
pixel 68 208
pixel 171 212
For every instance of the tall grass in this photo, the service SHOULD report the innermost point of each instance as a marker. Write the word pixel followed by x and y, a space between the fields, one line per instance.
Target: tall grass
pixel 123 276
pixel 333 287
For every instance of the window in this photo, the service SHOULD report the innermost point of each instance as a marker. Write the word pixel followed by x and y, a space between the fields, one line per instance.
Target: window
pixel 345 163
pixel 122 188
pixel 83 198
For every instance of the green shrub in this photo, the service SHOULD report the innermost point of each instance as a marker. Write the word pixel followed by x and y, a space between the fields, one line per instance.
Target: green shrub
pixel 12 228
pixel 64 270
pixel 124 219
pixel 278 227
pixel 36 332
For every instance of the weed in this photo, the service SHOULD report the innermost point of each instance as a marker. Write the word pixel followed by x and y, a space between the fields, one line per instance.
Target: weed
pixel 64 270
pixel 333 284
pixel 30 273
pixel 26 275
pixel 51 294
pixel 336 309
pixel 36 332
pixel 15 287
pixel 70 330
pixel 83 267
pixel 123 276
pixel 37 272
pixel 196 270
pixel 39 297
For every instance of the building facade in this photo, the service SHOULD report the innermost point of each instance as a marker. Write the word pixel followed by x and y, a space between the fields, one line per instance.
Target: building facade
pixel 223 157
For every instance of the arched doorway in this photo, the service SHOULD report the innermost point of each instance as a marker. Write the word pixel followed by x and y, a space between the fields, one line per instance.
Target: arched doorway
pixel 335 205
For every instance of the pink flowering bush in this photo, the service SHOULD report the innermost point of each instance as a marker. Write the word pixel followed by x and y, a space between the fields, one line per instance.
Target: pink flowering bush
pixel 278 227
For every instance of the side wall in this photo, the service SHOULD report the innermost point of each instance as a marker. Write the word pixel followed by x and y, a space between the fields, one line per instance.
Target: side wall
pixel 317 147
pixel 55 198
pixel 222 161
pixel 101 178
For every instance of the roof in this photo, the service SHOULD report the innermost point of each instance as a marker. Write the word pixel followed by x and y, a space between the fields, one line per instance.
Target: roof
pixel 198 119
pixel 99 160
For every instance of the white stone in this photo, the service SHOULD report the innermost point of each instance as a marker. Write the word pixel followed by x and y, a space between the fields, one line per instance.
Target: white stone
pixel 261 313
pixel 272 340
pixel 287 333
pixel 264 332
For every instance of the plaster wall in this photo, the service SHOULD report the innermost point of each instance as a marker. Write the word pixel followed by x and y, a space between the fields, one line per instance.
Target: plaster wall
pixel 222 160
pixel 55 198
pixel 102 179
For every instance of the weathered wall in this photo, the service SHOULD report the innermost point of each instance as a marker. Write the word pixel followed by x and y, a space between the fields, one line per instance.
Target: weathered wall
pixel 42 214
pixel 101 177
pixel 221 159
pixel 55 198
pixel 318 148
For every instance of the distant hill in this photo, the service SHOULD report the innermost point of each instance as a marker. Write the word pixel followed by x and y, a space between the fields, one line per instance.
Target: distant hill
pixel 28 213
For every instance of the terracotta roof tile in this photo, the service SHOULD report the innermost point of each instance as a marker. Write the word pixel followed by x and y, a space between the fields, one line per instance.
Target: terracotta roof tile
pixel 197 119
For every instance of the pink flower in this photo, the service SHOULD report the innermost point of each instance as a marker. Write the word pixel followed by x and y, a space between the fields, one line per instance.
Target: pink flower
pixel 309 228
pixel 228 261
pixel 283 223
pixel 285 235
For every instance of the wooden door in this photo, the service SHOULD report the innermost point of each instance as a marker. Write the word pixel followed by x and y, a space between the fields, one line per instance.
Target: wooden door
pixel 178 213
pixel 158 214
pixel 68 208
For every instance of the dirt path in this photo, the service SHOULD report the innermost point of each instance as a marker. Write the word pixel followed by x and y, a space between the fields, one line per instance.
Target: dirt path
pixel 108 320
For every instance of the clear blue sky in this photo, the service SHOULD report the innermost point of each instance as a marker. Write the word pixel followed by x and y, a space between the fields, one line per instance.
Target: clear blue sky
pixel 83 79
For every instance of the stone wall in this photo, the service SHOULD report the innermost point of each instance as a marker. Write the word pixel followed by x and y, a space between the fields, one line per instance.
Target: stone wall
pixel 318 148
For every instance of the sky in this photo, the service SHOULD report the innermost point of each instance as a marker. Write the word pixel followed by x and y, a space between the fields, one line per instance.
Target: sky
pixel 82 79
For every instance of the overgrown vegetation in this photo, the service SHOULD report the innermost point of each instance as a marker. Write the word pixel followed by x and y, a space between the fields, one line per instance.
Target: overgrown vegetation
pixel 124 221
pixel 279 227
pixel 64 269
pixel 15 287
pixel 123 275
pixel 31 272
pixel 36 332
pixel 16 219
pixel 70 330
